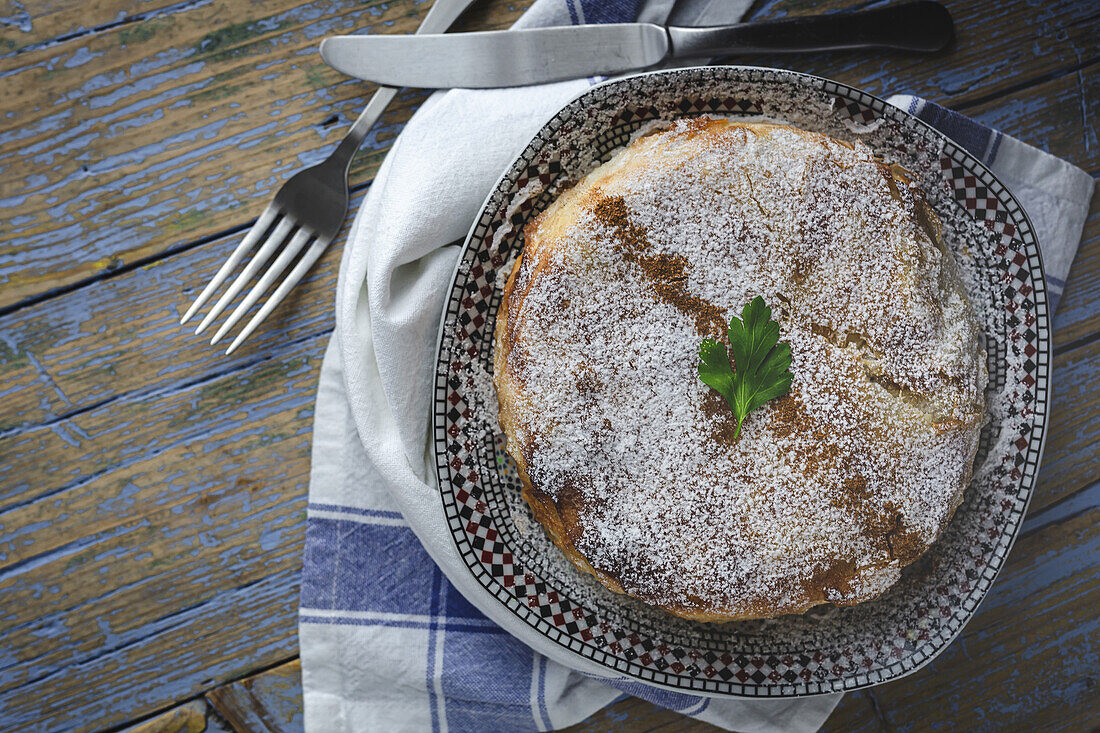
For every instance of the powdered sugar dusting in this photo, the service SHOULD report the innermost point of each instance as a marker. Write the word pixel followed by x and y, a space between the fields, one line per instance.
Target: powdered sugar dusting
pixel 829 490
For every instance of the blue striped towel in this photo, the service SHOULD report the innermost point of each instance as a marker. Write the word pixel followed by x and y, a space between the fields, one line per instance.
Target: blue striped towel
pixel 388 640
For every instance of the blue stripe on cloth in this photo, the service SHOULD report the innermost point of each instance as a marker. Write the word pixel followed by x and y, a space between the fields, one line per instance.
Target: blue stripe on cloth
pixel 704 703
pixel 352 566
pixel 997 137
pixel 353 510
pixel 456 605
pixel 573 17
pixel 540 697
pixel 963 130
pixel 445 624
pixel 433 640
pixel 609 11
pixel 487 684
pixel 677 701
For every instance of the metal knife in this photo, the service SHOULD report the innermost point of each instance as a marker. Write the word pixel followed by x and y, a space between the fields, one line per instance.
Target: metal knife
pixel 538 55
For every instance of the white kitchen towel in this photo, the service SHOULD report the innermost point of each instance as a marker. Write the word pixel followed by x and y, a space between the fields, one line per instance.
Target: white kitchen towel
pixel 388 639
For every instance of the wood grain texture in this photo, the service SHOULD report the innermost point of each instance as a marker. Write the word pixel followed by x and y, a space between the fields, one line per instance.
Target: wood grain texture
pixel 1033 645
pixel 160 561
pixel 187 718
pixel 999 48
pixel 157 132
pixel 197 715
pixel 122 337
pixel 270 702
pixel 152 490
pixel 27 25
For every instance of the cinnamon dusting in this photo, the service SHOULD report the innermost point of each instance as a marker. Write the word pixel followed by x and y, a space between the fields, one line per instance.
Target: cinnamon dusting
pixel 668 273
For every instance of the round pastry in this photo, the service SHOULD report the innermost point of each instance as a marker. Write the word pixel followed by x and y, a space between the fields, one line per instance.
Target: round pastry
pixel 631 463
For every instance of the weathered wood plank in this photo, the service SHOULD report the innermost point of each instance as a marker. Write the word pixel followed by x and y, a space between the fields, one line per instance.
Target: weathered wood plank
pixel 32 24
pixel 1057 115
pixel 27 24
pixel 1072 452
pixel 998 48
pixel 201 646
pixel 267 404
pixel 166 538
pixel 123 336
pixel 193 106
pixel 270 702
pixel 114 561
pixel 187 718
pixel 145 567
pixel 1047 578
pixel 105 122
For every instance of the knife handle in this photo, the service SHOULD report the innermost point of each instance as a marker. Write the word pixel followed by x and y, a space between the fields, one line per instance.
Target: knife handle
pixel 912 26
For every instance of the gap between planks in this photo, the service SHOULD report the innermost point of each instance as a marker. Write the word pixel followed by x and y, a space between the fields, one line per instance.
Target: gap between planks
pixel 208 696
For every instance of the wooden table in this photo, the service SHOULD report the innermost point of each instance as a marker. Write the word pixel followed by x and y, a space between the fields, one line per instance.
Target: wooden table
pixel 153 490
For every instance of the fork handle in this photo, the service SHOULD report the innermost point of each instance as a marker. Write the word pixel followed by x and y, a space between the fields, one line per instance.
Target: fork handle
pixel 349 146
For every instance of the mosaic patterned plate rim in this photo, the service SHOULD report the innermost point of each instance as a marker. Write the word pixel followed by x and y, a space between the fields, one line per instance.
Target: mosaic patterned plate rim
pixel 582 633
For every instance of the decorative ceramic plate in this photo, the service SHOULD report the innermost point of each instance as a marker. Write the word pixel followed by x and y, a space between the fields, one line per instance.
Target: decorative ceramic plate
pixel 827 649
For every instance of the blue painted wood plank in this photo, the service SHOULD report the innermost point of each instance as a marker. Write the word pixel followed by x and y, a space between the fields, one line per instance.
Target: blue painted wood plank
pixel 110 564
pixel 129 142
pixel 1078 315
pixel 29 25
pixel 122 337
pixel 199 647
pixel 1072 452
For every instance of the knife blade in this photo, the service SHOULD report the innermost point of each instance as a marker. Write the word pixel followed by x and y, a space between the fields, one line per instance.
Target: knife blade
pixel 538 55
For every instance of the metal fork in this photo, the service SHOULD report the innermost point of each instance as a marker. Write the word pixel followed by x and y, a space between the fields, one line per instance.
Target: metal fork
pixel 310 207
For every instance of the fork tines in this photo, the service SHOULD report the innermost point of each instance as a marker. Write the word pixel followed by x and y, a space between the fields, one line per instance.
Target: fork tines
pixel 283 226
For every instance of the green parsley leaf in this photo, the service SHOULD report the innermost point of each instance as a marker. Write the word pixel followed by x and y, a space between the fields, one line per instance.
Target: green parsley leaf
pixel 761 363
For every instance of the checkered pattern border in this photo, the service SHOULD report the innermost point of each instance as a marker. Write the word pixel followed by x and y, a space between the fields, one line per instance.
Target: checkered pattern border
pixel 855 109
pixel 710 661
